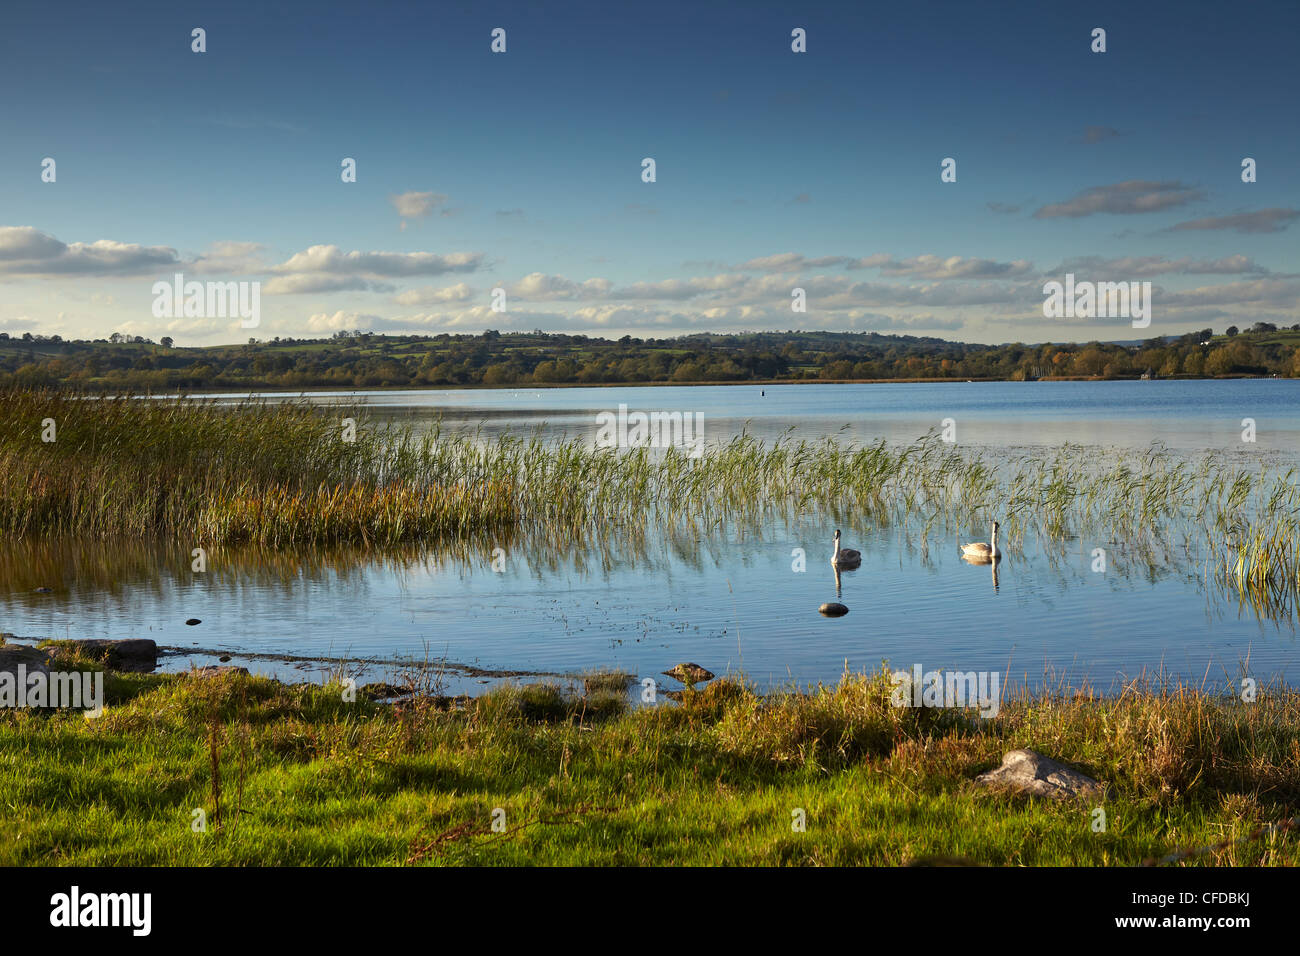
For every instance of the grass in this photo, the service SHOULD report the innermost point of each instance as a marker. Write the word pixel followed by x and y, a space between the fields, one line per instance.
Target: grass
pixel 299 776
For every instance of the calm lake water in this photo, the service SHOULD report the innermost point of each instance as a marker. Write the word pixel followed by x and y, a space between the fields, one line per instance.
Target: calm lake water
pixel 730 601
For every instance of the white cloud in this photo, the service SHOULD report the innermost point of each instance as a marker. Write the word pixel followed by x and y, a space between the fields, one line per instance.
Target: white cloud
pixel 429 295
pixel 334 261
pixel 26 251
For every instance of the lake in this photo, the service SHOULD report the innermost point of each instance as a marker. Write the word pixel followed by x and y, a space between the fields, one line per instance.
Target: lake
pixel 733 599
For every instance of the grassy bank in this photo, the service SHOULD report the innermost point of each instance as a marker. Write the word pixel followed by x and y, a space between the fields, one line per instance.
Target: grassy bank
pixel 301 776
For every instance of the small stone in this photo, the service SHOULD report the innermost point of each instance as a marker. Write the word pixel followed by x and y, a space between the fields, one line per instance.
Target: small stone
pixel 212 670
pixel 832 609
pixel 192 621
pixel 689 673
pixel 1029 772
pixel 224 658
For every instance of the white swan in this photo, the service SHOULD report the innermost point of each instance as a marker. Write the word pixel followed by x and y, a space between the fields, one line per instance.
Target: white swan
pixel 844 557
pixel 980 550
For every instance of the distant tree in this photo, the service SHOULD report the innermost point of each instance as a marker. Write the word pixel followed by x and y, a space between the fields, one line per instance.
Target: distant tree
pixel 166 341
pixel 1232 330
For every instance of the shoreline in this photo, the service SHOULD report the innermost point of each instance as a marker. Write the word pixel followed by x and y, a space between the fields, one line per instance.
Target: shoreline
pixel 759 383
pixel 299 775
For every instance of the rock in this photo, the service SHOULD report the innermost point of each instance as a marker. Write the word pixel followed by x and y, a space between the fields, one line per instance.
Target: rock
pixel 129 654
pixel 382 690
pixel 34 659
pixel 689 673
pixel 192 621
pixel 224 658
pixel 831 609
pixel 1027 771
pixel 215 670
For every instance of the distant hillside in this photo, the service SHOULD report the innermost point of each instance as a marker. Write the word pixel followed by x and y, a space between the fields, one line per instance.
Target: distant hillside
pixel 368 360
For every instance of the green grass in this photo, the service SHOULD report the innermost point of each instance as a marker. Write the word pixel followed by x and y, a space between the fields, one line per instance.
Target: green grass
pixel 308 778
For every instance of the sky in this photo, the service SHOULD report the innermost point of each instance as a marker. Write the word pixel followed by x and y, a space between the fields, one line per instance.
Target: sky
pixel 522 171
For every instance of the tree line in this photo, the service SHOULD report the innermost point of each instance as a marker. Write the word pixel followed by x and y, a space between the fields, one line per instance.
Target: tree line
pixel 361 359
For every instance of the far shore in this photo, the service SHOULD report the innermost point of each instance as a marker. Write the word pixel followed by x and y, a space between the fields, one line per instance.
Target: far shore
pixel 753 383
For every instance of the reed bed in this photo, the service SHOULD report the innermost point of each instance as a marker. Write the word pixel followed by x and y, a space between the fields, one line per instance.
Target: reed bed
pixel 281 474
pixel 207 473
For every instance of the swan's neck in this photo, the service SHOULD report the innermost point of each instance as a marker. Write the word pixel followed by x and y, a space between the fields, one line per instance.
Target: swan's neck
pixel 994 542
pixel 837 548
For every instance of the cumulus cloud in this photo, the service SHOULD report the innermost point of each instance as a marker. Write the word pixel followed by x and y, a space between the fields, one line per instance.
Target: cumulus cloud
pixel 1263 220
pixel 923 266
pixel 228 257
pixel 951 267
pixel 416 205
pixel 680 288
pixel 340 321
pixel 1127 198
pixel 1274 293
pixel 26 251
pixel 792 262
pixel 429 295
pixel 330 269
pixel 1159 265
pixel 333 260
pixel 540 287
pixel 315 282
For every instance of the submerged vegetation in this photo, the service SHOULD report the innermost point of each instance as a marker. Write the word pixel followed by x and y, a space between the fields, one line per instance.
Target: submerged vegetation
pixel 284 474
pixel 571 774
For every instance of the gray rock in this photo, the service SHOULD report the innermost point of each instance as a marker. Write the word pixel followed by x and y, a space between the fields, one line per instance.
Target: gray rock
pixel 131 653
pixel 1027 771
pixel 689 673
pixel 11 655
pixel 833 609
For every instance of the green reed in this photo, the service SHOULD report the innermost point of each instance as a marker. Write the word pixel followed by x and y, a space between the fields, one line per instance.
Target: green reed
pixel 210 473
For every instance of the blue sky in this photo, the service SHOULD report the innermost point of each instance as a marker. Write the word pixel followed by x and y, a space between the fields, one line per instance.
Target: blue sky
pixel 522 170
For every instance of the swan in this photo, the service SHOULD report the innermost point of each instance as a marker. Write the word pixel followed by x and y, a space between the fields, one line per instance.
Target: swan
pixel 980 550
pixel 844 557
